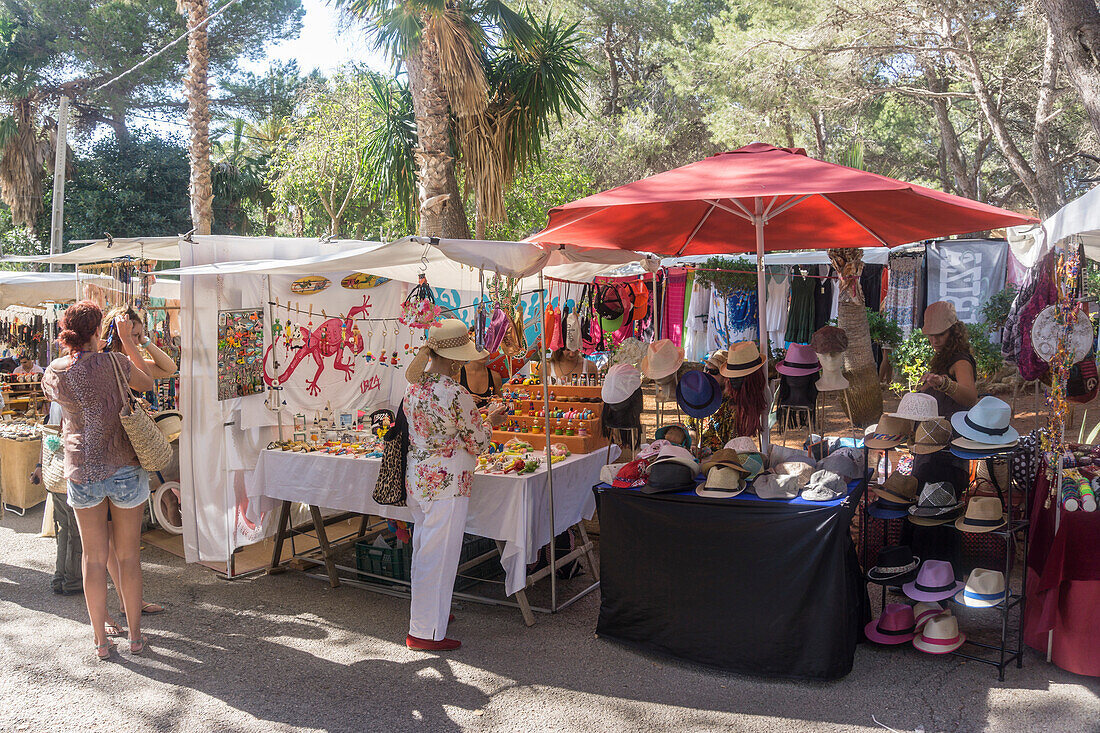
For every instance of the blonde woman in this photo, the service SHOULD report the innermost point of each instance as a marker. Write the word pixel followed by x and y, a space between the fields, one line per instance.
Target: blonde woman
pixel 446 434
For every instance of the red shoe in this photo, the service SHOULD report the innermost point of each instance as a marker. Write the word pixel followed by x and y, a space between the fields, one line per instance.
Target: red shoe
pixel 428 645
pixel 451 618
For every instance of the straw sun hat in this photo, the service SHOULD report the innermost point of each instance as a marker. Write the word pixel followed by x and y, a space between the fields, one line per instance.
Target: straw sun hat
pixel 450 339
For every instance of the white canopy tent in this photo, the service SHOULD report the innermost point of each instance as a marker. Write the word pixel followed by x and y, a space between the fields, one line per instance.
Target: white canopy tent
pixel 104 250
pixel 1079 218
pixel 34 288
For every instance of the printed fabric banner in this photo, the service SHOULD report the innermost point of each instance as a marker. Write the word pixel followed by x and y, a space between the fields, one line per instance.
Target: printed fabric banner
pixel 966 272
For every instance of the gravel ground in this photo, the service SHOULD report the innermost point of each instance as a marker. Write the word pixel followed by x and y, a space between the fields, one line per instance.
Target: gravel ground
pixel 287 653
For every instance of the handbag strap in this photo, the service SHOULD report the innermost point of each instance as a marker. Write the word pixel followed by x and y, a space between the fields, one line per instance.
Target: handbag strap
pixel 123 390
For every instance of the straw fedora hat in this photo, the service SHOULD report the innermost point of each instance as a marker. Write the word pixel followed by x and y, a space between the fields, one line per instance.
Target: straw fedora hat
pixel 662 359
pixel 940 635
pixel 723 457
pixel 917 406
pixel 722 482
pixel 889 432
pixel 170 424
pixel 931 436
pixel 898 488
pixel 742 359
pixel 715 361
pixel 983 514
pixel 989 422
pixel 925 610
pixel 450 339
pixel 984 589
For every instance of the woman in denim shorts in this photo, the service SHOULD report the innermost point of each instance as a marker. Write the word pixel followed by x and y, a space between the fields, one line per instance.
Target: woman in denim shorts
pixel 101 467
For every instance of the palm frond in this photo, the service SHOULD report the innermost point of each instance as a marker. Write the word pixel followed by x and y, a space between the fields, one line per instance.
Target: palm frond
pixel 460 43
pixel 390 146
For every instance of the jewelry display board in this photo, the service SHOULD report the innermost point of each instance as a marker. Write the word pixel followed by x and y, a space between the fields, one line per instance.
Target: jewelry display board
pixel 240 353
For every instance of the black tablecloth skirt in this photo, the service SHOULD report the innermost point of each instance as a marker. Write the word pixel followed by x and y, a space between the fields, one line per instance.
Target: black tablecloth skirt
pixel 766 589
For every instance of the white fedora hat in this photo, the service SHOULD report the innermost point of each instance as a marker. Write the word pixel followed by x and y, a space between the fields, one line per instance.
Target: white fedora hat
pixel 984 589
pixel 940 635
pixel 916 406
pixel 662 359
pixel 676 454
pixel 988 422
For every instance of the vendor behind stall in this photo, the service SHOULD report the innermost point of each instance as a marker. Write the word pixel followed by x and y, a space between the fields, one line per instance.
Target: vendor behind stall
pixel 952 376
pixel 479 380
pixel 568 363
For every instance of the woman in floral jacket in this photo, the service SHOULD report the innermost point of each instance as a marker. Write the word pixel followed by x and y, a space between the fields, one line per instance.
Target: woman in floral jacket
pixel 446 434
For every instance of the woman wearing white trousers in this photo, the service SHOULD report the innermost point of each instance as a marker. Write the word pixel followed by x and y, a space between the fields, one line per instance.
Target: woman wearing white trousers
pixel 446 434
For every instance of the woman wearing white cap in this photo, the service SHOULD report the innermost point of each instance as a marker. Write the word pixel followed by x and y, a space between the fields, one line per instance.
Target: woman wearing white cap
pixel 952 376
pixel 446 434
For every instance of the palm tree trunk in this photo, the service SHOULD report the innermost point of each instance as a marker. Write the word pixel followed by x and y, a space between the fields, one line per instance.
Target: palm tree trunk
pixel 22 166
pixel 864 392
pixel 197 90
pixel 441 212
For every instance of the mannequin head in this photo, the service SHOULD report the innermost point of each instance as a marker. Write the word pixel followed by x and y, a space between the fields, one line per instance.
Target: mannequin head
pixel 832 372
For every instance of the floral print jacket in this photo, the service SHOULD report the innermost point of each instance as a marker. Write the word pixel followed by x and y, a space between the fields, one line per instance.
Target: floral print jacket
pixel 446 434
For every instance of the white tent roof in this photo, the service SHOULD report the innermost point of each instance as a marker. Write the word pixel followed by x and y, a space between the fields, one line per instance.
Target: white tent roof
pixel 153 248
pixel 871 255
pixel 450 263
pixel 34 288
pixel 1079 218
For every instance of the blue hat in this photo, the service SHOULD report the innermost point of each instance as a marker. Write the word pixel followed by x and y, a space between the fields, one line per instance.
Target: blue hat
pixel 883 509
pixel 698 394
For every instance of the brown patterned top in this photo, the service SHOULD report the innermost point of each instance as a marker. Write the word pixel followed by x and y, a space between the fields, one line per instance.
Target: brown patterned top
pixel 96 446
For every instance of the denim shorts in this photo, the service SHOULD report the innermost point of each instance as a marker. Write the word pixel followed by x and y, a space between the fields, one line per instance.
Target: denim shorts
pixel 127 488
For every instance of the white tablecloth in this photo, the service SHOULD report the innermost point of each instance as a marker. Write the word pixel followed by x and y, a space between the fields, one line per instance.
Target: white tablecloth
pixel 514 509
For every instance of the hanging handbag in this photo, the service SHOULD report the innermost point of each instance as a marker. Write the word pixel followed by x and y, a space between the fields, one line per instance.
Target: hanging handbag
pixel 53 461
pixel 419 309
pixel 389 487
pixel 153 451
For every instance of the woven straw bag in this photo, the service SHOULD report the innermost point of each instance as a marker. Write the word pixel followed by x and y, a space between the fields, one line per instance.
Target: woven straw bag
pixel 154 453
pixel 53 461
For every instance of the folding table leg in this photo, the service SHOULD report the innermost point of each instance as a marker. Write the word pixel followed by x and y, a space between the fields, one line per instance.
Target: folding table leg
pixel 521 596
pixel 592 566
pixel 280 535
pixel 322 540
pixel 363 525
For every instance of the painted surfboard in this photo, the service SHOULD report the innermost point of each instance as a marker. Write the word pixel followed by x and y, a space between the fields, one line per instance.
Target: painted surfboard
pixel 362 281
pixel 309 285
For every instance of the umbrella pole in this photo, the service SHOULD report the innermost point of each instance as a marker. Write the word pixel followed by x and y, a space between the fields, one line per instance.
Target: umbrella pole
pixel 761 314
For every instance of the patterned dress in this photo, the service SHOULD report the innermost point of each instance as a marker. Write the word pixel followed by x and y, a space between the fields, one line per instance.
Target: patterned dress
pixel 446 434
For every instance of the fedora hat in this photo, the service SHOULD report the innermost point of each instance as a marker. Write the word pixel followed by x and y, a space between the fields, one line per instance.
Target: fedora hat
pixel 662 358
pixel 786 481
pixel 916 406
pixel 170 424
pixel 925 610
pixel 936 500
pixel 886 509
pixel 988 422
pixel 825 486
pixel 938 317
pixel 723 457
pixel 895 626
pixel 667 477
pixel 698 394
pixel 450 339
pixel 939 635
pixel 652 450
pixel 983 589
pixel 983 514
pixel 974 446
pixel 799 361
pixel 621 382
pixel 676 454
pixel 898 488
pixel 752 462
pixel 715 361
pixel 935 582
pixel 742 359
pixel 931 436
pixel 722 482
pixel 889 432
pixel 896 564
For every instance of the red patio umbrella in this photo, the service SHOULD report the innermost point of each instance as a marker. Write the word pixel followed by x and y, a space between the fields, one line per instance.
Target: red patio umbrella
pixel 762 198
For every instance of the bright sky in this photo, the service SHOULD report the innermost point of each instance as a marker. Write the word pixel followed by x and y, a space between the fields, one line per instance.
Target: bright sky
pixel 323 44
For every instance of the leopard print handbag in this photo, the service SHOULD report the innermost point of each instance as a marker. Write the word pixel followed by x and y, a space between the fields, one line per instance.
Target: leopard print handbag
pixel 389 487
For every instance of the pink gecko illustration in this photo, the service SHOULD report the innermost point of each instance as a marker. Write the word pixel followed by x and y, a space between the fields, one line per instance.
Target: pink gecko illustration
pixel 328 339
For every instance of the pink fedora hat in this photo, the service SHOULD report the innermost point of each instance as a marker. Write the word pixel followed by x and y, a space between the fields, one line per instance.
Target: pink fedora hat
pixel 935 582
pixel 894 626
pixel 799 361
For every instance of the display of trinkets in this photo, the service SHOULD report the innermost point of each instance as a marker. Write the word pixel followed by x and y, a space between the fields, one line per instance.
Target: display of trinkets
pixel 240 353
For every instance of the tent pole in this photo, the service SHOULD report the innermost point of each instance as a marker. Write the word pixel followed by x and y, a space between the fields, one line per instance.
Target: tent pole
pixel 549 460
pixel 761 314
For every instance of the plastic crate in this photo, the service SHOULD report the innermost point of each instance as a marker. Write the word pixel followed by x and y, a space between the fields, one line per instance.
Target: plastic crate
pixel 396 561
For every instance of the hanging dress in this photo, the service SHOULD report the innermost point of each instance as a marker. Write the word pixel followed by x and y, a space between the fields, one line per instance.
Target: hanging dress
pixel 800 320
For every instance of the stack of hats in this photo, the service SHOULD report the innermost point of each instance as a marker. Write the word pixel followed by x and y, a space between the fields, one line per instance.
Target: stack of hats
pixel 916 412
pixel 896 494
pixel 674 469
pixel 984 430
pixel 834 472
pixel 725 475
pixel 937 504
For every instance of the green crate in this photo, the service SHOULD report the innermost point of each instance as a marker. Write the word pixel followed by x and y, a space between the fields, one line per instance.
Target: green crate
pixel 396 562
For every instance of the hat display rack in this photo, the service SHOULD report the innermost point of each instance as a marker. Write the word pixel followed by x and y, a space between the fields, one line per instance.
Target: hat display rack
pixel 1013 530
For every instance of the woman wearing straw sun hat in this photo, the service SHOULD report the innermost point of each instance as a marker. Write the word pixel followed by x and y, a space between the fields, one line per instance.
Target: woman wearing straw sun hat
pixel 446 434
pixel 951 378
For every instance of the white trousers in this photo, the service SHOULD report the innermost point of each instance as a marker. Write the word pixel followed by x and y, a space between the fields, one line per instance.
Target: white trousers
pixel 436 544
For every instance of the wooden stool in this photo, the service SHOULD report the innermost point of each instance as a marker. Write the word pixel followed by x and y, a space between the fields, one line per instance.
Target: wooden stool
pixel 823 398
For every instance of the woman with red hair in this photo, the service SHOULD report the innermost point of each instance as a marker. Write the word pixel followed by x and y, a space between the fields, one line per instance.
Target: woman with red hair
pixel 101 467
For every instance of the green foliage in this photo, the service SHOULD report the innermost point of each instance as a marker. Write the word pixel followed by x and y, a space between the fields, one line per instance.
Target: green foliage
pixel 913 357
pixel 987 355
pixel 743 278
pixel 390 146
pixel 133 188
pixel 884 332
pixel 535 192
pixel 995 310
pixel 19 242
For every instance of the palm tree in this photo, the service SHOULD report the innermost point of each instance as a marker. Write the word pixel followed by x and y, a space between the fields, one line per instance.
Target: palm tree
pixel 442 45
pixel 864 391
pixel 239 177
pixel 197 91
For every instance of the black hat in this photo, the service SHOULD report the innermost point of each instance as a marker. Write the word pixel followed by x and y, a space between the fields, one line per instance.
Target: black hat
pixel 896 564
pixel 667 477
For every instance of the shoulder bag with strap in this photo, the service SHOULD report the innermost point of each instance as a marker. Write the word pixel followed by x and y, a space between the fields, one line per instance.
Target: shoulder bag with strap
pixel 153 451
pixel 389 487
